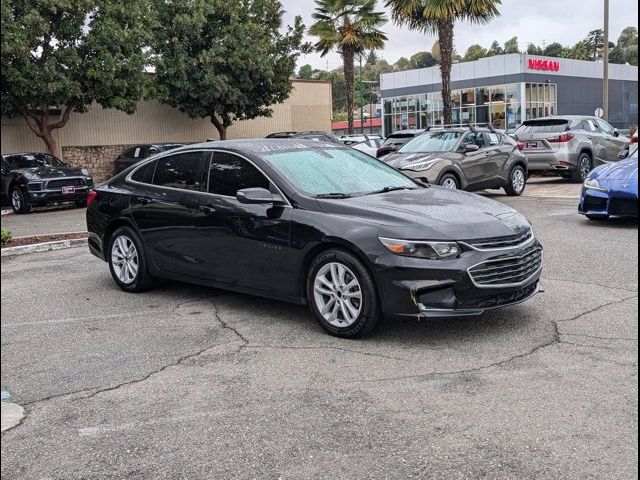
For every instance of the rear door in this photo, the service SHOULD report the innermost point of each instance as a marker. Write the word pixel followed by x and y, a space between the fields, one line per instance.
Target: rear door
pixel 163 208
pixel 614 143
pixel 596 136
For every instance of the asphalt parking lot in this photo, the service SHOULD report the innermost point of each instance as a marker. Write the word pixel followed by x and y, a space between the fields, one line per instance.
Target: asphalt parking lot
pixel 190 382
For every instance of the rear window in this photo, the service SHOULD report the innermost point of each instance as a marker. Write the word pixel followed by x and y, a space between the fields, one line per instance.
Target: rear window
pixel 543 126
pixel 399 139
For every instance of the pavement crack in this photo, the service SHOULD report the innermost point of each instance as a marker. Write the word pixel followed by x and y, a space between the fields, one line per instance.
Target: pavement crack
pixel 595 309
pixel 597 337
pixel 594 284
pixel 327 347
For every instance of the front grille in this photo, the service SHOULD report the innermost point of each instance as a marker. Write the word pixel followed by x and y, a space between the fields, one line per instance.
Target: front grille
pixel 513 270
pixel 65 182
pixel 507 298
pixel 501 242
pixel 623 206
pixel 597 204
pixel 34 187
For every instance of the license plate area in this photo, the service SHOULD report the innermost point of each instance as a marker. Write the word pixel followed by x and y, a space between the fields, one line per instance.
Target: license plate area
pixel 68 190
pixel 531 145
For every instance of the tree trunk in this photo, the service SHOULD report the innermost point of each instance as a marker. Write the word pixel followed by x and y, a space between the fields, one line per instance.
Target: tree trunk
pixel 349 81
pixel 51 143
pixel 445 36
pixel 38 122
pixel 222 130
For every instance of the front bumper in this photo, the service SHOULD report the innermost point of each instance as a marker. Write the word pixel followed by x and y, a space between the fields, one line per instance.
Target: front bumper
pixel 446 288
pixel 46 197
pixel 612 202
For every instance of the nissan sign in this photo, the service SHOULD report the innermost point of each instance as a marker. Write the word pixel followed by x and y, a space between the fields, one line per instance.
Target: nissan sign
pixel 544 65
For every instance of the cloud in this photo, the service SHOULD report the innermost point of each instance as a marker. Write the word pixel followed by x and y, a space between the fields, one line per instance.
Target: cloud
pixel 539 21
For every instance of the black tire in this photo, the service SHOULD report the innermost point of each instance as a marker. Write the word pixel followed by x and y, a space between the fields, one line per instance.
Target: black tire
pixel 598 218
pixel 516 174
pixel 449 179
pixel 369 308
pixel 142 280
pixel 584 165
pixel 18 201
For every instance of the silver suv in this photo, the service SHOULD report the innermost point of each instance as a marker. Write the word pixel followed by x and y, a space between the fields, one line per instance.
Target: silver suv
pixel 569 145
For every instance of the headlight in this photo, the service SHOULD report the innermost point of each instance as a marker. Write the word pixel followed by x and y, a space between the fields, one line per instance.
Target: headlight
pixel 30 176
pixel 85 172
pixel 419 166
pixel 430 250
pixel 593 183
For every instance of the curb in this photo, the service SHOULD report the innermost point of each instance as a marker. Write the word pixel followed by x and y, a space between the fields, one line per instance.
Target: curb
pixel 43 247
pixel 4 212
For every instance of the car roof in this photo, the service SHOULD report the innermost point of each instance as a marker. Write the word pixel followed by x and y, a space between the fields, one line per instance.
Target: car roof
pixel 265 145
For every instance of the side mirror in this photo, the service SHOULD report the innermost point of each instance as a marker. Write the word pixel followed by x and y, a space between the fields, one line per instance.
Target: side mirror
pixel 623 154
pixel 616 132
pixel 471 147
pixel 255 196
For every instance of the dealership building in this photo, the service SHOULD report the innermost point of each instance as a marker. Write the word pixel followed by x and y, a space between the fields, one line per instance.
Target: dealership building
pixel 508 89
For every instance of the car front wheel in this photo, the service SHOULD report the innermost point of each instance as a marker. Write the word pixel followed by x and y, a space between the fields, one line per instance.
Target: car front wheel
pixel 583 168
pixel 449 181
pixel 342 295
pixel 18 201
pixel 517 182
pixel 127 261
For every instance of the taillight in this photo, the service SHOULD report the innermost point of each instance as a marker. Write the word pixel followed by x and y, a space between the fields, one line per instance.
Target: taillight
pixel 521 145
pixel 91 197
pixel 564 138
pixel 379 153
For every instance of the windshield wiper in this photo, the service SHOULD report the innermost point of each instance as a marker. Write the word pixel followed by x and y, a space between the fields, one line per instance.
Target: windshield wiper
pixel 333 195
pixel 389 189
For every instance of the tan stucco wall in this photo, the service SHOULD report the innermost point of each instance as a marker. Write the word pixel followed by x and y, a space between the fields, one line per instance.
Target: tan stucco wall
pixel 308 108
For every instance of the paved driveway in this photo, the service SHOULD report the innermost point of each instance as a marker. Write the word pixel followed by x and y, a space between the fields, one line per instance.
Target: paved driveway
pixel 190 382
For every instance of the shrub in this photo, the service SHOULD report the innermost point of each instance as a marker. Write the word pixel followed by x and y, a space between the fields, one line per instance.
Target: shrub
pixel 6 236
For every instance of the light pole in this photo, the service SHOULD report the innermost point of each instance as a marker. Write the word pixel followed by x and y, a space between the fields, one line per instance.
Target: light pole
pixel 361 99
pixel 605 59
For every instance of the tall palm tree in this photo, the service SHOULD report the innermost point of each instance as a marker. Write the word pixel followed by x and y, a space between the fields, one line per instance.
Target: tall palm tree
pixel 439 16
pixel 350 27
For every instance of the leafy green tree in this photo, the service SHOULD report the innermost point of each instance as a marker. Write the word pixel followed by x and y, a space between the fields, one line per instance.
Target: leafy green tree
pixel 628 37
pixel 350 27
pixel 474 52
pixel 422 60
pixel 402 64
pixel 580 51
pixel 511 46
pixel 631 55
pixel 554 49
pixel 306 72
pixel 228 60
pixel 435 52
pixel 595 41
pixel 534 50
pixel 372 58
pixel 66 54
pixel 440 16
pixel 495 49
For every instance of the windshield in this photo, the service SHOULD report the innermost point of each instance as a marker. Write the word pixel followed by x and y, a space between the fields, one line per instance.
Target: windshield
pixel 323 172
pixel 33 160
pixel 432 142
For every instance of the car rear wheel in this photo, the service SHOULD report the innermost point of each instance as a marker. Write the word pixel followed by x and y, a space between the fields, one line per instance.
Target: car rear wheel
pixel 342 295
pixel 127 261
pixel 18 201
pixel 449 181
pixel 517 182
pixel 583 168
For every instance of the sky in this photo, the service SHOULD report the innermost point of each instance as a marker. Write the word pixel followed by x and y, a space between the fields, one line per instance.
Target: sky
pixel 532 21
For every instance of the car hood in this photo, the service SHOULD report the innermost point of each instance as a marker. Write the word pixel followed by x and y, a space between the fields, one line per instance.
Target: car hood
pixel 622 170
pixel 432 213
pixel 51 172
pixel 401 160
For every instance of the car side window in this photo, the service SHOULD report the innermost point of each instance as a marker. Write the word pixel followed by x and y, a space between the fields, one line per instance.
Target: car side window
pixel 494 139
pixel 229 173
pixel 605 127
pixel 182 171
pixel 144 174
pixel 129 153
pixel 474 138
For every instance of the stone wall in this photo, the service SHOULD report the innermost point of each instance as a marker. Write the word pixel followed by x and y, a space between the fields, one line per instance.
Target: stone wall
pixel 98 159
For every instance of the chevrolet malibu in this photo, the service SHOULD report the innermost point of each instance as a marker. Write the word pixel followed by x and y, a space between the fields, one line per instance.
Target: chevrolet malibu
pixel 312 223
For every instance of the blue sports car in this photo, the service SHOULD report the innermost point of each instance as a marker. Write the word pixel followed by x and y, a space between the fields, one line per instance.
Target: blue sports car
pixel 611 189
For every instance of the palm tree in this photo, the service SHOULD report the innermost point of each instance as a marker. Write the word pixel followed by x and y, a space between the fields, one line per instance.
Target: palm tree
pixel 439 16
pixel 350 27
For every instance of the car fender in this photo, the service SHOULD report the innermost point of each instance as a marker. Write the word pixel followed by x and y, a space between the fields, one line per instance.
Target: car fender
pixel 444 166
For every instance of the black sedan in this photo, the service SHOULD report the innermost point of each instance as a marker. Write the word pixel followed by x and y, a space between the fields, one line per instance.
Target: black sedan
pixel 312 223
pixel 39 179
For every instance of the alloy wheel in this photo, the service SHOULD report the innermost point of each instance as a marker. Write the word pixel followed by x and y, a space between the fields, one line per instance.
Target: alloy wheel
pixel 450 183
pixel 124 258
pixel 16 200
pixel 337 294
pixel 517 180
pixel 585 166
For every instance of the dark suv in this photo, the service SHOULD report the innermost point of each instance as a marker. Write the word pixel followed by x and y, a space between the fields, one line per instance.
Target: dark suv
pixel 134 154
pixel 464 157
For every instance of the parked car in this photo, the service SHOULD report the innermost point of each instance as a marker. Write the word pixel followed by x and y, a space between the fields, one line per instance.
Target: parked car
pixel 134 154
pixel 315 224
pixel 317 136
pixel 468 158
pixel 570 145
pixel 368 144
pixel 39 179
pixel 611 190
pixel 396 140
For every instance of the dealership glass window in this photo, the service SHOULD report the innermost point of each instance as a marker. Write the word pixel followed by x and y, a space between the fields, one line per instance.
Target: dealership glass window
pixel 456 98
pixel 482 114
pixel 388 106
pixel 412 103
pixel 468 114
pixel 497 94
pixel 468 97
pixel 482 96
pixel 498 115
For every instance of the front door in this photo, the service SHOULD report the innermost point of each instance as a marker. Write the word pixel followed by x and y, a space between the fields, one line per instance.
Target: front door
pixel 238 244
pixel 164 209
pixel 613 143
pixel 478 165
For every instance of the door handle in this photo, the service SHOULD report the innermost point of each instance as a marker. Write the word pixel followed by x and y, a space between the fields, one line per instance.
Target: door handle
pixel 142 200
pixel 206 209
